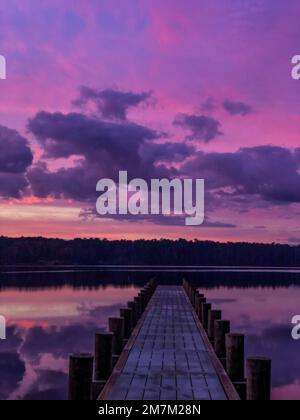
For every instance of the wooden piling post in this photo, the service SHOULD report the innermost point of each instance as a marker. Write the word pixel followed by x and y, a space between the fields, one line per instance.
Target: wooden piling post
pixel 132 305
pixel 138 302
pixel 143 297
pixel 199 298
pixel 187 287
pixel 205 308
pixel 153 284
pixel 197 305
pixel 221 329
pixel 193 296
pixel 195 293
pixel 202 300
pixel 148 294
pixel 258 379
pixel 80 377
pixel 103 355
pixel 116 326
pixel 213 315
pixel 235 356
pixel 190 292
pixel 126 313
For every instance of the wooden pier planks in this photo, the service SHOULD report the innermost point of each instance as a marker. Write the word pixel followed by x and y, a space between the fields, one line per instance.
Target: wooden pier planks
pixel 168 357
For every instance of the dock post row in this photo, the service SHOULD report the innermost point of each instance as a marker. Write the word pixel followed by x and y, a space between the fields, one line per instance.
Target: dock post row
pixel 88 373
pixel 230 350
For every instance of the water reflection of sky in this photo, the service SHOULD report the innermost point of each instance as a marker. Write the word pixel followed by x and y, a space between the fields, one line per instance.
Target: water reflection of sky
pixel 43 328
pixel 48 318
pixel 264 315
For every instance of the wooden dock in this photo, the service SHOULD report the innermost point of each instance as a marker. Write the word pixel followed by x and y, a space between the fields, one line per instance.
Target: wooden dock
pixel 169 343
pixel 168 356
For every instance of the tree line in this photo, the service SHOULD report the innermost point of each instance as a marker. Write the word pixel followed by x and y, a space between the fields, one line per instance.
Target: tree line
pixel 36 251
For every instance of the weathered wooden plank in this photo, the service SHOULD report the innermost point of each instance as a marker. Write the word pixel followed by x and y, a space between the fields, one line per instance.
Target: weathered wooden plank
pixel 168 358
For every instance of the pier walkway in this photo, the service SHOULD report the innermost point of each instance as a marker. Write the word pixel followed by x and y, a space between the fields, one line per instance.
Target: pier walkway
pixel 168 356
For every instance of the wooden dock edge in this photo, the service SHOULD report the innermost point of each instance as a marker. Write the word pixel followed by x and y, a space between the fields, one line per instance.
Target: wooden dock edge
pixel 93 376
pixel 226 383
pixel 123 358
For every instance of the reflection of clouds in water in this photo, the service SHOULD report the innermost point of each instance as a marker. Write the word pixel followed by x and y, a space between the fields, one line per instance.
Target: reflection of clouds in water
pixel 13 339
pixel 97 313
pixel 12 369
pixel 49 385
pixel 245 324
pixel 276 342
pixel 58 341
pixel 287 392
pixel 269 339
pixel 63 340
pixel 222 301
pixel 34 361
pixel 48 361
pixel 43 352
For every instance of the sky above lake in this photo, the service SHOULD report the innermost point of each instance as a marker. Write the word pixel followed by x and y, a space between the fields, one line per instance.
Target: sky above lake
pixel 173 88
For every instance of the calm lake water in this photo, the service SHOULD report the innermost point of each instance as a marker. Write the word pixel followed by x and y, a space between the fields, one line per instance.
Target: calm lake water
pixel 54 313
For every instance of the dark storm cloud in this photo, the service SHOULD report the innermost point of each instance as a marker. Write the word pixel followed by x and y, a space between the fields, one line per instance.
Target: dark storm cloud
pixel 77 183
pixel 104 148
pixel 112 103
pixel 269 172
pixel 237 108
pixel 12 185
pixel 167 152
pixel 15 155
pixel 15 158
pixel 64 135
pixel 202 127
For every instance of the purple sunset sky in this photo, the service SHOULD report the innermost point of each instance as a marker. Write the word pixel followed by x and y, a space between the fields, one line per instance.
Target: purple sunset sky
pixel 159 88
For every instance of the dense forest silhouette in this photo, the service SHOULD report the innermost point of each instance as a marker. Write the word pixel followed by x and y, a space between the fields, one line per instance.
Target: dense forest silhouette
pixel 42 251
